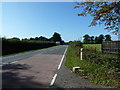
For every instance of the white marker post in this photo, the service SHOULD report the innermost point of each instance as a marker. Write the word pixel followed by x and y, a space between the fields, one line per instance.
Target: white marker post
pixel 81 53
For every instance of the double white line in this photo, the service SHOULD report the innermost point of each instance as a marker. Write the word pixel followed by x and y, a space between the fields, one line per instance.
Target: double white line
pixel 54 78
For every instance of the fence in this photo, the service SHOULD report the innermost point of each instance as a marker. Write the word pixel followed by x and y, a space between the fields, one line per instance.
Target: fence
pixel 111 47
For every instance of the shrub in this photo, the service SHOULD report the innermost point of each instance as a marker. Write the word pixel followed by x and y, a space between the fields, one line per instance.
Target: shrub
pixel 76 46
pixel 110 61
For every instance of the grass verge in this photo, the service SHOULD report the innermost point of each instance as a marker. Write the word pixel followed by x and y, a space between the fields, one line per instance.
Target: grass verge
pixel 96 73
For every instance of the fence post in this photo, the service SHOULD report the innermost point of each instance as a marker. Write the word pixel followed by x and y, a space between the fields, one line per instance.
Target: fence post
pixel 81 53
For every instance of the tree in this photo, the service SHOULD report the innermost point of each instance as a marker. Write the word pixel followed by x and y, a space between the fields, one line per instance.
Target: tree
pixel 15 38
pixel 41 38
pixel 92 39
pixel 25 39
pixel 97 40
pixel 108 37
pixel 32 38
pixel 107 13
pixel 101 38
pixel 86 38
pixel 36 38
pixel 56 37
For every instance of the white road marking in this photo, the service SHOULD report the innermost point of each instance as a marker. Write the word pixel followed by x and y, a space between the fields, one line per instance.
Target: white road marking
pixel 53 80
pixel 14 62
pixel 62 59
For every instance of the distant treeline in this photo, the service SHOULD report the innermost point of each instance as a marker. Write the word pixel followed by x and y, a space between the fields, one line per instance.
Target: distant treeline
pixel 56 37
pixel 15 45
pixel 96 39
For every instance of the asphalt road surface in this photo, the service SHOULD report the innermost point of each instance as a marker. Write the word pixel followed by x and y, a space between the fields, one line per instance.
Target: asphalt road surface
pixel 42 69
pixel 32 70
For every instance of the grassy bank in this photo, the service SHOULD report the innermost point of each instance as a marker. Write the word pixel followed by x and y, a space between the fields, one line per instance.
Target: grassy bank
pixel 101 72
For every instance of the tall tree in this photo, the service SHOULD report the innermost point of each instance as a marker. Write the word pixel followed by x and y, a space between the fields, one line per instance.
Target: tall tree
pixel 92 39
pixel 108 37
pixel 97 40
pixel 86 38
pixel 56 37
pixel 101 38
pixel 107 13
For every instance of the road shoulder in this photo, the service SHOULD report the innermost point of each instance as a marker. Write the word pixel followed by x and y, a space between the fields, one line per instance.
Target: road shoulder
pixel 67 79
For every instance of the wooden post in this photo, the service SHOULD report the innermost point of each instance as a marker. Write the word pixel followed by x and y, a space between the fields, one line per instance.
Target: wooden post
pixel 102 47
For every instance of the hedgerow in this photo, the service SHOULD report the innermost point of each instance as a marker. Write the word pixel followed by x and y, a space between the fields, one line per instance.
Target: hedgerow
pixel 10 46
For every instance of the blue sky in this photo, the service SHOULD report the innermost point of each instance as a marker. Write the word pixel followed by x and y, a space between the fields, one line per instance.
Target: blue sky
pixel 34 19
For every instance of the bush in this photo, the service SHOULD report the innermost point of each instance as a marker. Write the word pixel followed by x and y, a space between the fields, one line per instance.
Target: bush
pixel 76 46
pixel 110 61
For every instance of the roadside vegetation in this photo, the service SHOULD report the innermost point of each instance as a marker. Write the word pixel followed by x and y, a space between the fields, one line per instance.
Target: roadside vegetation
pixel 15 45
pixel 11 46
pixel 95 66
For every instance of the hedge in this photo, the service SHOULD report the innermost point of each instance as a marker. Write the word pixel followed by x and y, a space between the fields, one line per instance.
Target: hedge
pixel 15 46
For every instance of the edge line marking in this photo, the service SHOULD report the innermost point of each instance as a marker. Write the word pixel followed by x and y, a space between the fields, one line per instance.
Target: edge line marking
pixel 53 80
pixel 62 59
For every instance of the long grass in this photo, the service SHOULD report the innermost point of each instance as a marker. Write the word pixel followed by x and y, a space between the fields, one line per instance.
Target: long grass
pixel 96 73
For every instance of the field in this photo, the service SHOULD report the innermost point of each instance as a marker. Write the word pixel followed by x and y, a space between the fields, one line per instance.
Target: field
pixel 97 46
pixel 95 67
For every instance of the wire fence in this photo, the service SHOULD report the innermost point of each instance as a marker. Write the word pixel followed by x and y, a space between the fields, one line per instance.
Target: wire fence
pixel 111 47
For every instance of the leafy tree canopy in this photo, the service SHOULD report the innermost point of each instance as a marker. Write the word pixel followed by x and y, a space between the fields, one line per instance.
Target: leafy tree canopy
pixel 108 37
pixel 96 39
pixel 86 38
pixel 56 37
pixel 107 13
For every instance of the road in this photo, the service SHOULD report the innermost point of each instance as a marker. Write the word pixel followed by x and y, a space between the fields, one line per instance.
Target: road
pixel 42 69
pixel 32 70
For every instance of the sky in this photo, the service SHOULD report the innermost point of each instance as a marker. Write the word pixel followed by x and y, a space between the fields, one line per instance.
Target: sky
pixel 34 19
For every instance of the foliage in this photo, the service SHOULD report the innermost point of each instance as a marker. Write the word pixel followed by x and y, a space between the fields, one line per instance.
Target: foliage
pixel 15 45
pixel 10 46
pixel 76 45
pixel 101 38
pixel 106 13
pixel 56 37
pixel 98 68
pixel 108 38
pixel 86 38
pixel 97 40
